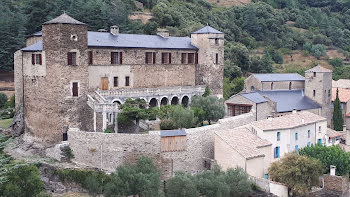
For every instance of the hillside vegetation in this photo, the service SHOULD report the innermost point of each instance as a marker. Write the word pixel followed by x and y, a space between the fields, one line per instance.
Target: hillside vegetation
pixel 278 28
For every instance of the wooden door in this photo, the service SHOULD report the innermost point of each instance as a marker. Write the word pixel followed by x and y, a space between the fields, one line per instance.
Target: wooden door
pixel 104 83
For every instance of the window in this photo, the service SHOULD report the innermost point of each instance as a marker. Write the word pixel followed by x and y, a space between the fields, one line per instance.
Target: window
pixel 296 148
pixel 90 57
pixel 296 136
pixel 36 59
pixel 277 152
pixel 216 41
pixel 235 110
pixel 319 141
pixel 150 57
pixel 116 57
pixel 309 144
pixel 196 58
pixel 127 81
pixel 308 133
pixel 252 88
pixel 183 58
pixel 115 81
pixel 266 176
pixel 290 85
pixel 217 58
pixel 190 59
pixel 72 58
pixel 166 58
pixel 75 89
pixel 278 136
pixel 319 129
pixel 271 85
pixel 314 93
pixel 314 74
pixel 329 93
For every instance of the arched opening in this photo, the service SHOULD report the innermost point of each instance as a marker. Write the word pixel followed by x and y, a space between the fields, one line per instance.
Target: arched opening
pixel 118 102
pixel 252 88
pixel 185 101
pixel 153 103
pixel 164 101
pixel 175 100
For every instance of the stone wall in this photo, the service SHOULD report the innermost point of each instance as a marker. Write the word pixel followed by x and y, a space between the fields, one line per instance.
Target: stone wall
pixel 335 184
pixel 251 81
pixel 269 186
pixel 118 148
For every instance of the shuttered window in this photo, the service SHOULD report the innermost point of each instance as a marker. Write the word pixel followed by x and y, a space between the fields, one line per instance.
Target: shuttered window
pixel 196 58
pixel 183 58
pixel 166 58
pixel 33 59
pixel 72 58
pixel 190 58
pixel 150 58
pixel 75 89
pixel 90 56
pixel 154 57
pixel 36 59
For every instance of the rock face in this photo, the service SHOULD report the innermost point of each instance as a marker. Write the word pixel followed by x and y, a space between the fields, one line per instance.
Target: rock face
pixel 58 152
pixel 17 126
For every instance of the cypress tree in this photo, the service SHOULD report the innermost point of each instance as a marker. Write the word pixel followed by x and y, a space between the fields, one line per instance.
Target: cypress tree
pixel 338 120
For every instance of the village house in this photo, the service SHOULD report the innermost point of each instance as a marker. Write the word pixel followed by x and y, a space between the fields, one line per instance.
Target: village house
pixel 69 77
pixel 256 145
pixel 277 94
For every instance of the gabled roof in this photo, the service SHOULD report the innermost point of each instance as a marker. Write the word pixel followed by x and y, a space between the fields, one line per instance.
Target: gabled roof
pixel 288 100
pixel 254 96
pixel 333 134
pixel 106 39
pixel 172 133
pixel 244 142
pixel 319 69
pixel 341 83
pixel 270 77
pixel 64 19
pixel 289 121
pixel 344 94
pixel 207 30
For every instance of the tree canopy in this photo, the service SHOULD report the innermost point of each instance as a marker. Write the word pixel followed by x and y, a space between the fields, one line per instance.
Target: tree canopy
pixel 212 106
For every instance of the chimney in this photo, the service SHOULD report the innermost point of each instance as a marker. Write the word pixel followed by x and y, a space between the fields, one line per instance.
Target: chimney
pixel 270 117
pixel 332 170
pixel 302 120
pixel 114 30
pixel 163 33
pixel 294 111
pixel 344 128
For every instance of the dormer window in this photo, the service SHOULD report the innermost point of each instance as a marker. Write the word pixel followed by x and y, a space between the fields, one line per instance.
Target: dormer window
pixel 72 58
pixel 36 59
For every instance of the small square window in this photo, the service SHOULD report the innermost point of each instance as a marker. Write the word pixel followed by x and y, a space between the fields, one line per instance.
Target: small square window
pixel 72 58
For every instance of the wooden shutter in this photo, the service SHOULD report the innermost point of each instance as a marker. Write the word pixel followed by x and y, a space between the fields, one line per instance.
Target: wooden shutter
pixel 40 59
pixel 33 59
pixel 196 58
pixel 69 58
pixel 146 58
pixel 120 57
pixel 154 57
pixel 75 89
pixel 90 57
pixel 163 58
pixel 112 57
pixel 183 57
pixel 169 58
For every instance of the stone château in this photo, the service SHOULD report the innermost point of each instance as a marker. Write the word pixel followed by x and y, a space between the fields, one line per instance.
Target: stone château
pixel 68 76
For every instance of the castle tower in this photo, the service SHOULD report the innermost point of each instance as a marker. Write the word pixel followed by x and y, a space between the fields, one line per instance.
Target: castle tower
pixel 54 99
pixel 210 67
pixel 318 87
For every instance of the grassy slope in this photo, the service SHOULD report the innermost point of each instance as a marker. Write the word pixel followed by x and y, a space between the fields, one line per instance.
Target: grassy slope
pixel 6 123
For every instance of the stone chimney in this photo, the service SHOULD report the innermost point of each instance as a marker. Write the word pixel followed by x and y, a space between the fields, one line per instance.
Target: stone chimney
pixel 344 128
pixel 294 111
pixel 270 117
pixel 332 170
pixel 114 30
pixel 163 32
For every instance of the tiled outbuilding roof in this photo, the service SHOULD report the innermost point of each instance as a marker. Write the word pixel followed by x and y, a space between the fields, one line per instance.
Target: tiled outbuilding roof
pixel 243 141
pixel 344 94
pixel 64 19
pixel 319 69
pixel 270 77
pixel 106 39
pixel 289 121
pixel 288 100
pixel 207 30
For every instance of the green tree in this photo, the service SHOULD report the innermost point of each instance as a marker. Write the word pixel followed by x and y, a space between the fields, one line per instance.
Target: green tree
pixel 298 172
pixel 232 71
pixel 211 183
pixel 336 62
pixel 3 99
pixel 182 185
pixel 135 110
pixel 332 155
pixel 21 180
pixel 183 117
pixel 212 106
pixel 142 179
pixel 233 87
pixel 238 182
pixel 338 120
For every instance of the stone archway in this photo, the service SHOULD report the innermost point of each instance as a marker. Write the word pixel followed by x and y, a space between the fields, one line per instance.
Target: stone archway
pixel 164 101
pixel 175 100
pixel 153 103
pixel 185 101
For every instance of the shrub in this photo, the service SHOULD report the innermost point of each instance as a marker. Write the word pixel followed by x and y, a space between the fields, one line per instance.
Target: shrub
pixel 181 185
pixel 67 151
pixel 183 117
pixel 167 125
pixel 336 62
pixel 10 103
pixel 108 130
pixel 3 99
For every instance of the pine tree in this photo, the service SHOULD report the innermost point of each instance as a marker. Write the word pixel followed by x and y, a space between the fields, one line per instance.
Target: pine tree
pixel 338 120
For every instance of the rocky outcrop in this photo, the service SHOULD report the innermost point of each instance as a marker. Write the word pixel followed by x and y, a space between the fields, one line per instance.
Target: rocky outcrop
pixel 17 127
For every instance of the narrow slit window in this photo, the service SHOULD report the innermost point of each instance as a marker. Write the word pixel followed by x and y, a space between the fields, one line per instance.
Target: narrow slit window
pixel 75 90
pixel 115 81
pixel 217 58
pixel 127 81
pixel 90 57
